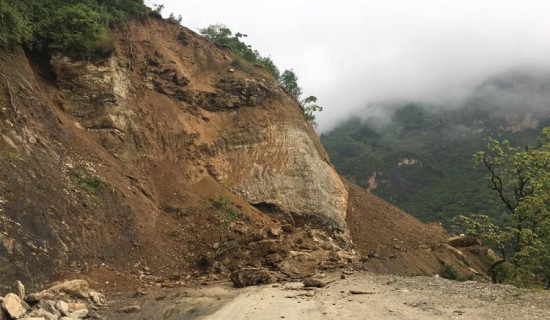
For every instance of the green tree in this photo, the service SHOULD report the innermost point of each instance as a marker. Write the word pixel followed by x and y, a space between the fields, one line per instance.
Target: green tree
pixel 309 105
pixel 79 26
pixel 221 35
pixel 289 82
pixel 521 179
pixel 14 26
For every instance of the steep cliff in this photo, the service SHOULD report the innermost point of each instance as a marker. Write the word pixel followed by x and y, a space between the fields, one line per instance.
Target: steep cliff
pixel 151 123
pixel 161 159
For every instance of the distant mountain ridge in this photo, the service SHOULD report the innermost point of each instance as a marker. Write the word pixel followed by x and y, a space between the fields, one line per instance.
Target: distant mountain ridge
pixel 418 156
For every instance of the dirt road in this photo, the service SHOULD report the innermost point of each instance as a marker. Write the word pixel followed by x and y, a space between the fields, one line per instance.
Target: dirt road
pixel 380 297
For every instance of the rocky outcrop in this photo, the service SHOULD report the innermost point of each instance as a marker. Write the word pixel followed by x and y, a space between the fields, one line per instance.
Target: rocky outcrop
pixel 267 153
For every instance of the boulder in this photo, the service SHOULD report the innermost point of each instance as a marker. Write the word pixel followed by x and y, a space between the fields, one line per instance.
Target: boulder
pixel 250 277
pixel 75 288
pixel 39 296
pixel 13 306
pixel 299 265
pixel 463 242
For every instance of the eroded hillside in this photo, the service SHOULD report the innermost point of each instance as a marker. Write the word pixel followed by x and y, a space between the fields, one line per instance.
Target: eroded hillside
pixel 164 161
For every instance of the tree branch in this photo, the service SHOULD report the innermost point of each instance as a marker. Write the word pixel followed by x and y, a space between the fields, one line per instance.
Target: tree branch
pixel 497 185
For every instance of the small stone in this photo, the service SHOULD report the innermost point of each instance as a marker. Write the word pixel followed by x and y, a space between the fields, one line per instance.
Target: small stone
pixel 274 232
pixel 12 305
pixel 273 258
pixel 49 306
pixel 79 314
pixel 20 289
pixel 97 298
pixel 44 314
pixel 361 292
pixel 131 309
pixel 231 70
pixel 76 306
pixel 314 283
pixel 287 228
pixel 62 307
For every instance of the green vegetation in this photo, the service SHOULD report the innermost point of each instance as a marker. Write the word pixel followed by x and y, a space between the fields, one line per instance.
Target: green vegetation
pixel 88 182
pixel 520 177
pixel 451 273
pixel 422 161
pixel 223 36
pixel 72 26
pixel 226 212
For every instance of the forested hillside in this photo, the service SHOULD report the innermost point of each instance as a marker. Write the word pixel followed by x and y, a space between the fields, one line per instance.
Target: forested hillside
pixel 418 156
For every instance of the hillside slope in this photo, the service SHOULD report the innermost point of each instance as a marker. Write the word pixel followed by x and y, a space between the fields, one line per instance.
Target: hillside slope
pixel 164 162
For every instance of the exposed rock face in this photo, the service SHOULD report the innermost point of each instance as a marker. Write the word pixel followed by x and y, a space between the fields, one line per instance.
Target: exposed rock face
pixel 285 169
pixel 268 154
pixel 98 93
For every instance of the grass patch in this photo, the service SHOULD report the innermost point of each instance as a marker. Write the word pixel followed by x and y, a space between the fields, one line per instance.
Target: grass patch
pixel 452 273
pixel 88 183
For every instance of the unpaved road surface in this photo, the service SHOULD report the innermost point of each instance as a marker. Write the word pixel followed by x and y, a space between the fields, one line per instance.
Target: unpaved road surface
pixel 382 297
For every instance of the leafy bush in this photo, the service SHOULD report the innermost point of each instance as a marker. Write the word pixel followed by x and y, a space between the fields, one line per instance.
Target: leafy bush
pixel 452 273
pixel 226 212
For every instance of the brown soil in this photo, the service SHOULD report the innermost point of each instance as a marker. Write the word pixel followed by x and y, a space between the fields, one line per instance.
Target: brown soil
pixel 391 241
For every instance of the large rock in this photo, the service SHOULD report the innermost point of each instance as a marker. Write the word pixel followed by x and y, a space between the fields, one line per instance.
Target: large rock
pixel 250 277
pixel 75 288
pixel 13 306
pixel 299 265
pixel 284 169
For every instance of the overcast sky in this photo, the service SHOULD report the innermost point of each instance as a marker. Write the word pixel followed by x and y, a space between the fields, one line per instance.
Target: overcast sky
pixel 351 53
